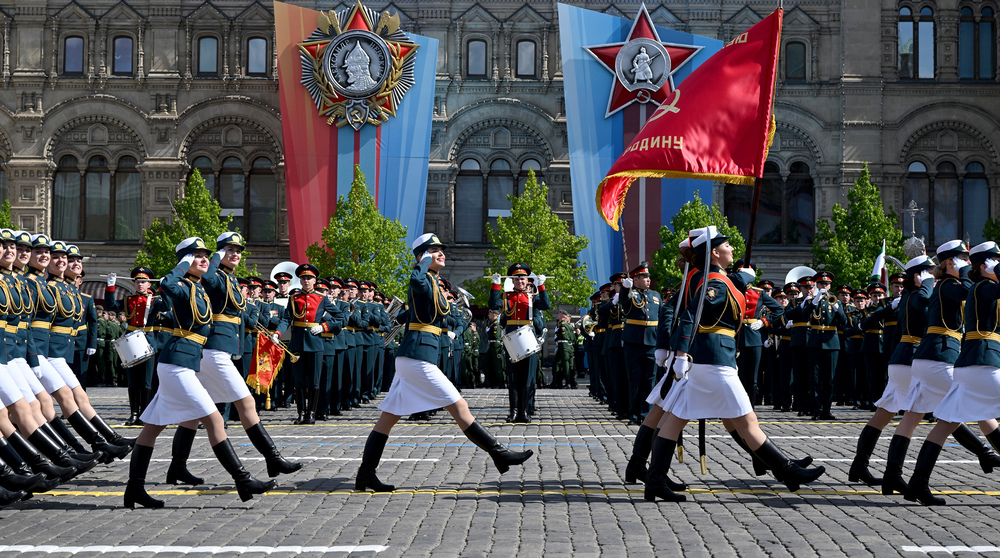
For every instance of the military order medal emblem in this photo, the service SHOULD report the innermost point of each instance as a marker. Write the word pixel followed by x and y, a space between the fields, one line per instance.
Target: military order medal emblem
pixel 357 65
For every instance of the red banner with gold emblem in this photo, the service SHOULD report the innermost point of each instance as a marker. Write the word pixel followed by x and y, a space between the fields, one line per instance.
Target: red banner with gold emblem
pixel 717 125
pixel 267 361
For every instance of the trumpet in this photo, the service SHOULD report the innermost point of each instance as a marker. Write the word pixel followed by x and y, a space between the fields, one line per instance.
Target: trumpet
pixel 293 356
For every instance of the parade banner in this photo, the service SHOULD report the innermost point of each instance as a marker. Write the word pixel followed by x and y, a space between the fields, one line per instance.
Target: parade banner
pixel 355 90
pixel 616 73
pixel 267 360
pixel 719 129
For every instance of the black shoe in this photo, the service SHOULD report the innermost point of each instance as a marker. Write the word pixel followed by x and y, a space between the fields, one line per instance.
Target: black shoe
pixel 784 469
pixel 366 478
pixel 892 479
pixel 130 421
pixel 60 441
pixel 988 459
pixel 57 455
pixel 246 485
pixel 656 477
pixel 8 497
pixel 109 434
pixel 135 491
pixel 90 433
pixel 825 416
pixel 15 482
pixel 503 458
pixel 859 467
pixel 178 472
pixel 35 461
pixel 521 418
pixel 276 464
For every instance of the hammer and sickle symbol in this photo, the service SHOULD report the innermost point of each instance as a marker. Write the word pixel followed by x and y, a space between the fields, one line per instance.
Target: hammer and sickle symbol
pixel 663 110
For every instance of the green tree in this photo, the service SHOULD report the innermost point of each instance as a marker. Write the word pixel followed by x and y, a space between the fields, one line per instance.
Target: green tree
pixel 196 214
pixel 536 236
pixel 848 244
pixel 359 242
pixel 991 231
pixel 6 220
pixel 692 215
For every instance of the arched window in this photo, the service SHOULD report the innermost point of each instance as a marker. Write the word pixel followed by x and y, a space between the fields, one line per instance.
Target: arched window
pixel 469 203
pixel 475 58
pixel 263 225
pixel 976 44
pixel 73 55
pixel 499 185
pixel 232 191
pixel 97 200
pixel 204 166
pixel 122 54
pixel 916 44
pixel 785 213
pixel 128 200
pixel 975 202
pixel 916 187
pixel 66 206
pixel 945 216
pixel 257 57
pixel 795 61
pixel 525 59
pixel 800 212
pixel 770 206
pixel 529 165
pixel 208 57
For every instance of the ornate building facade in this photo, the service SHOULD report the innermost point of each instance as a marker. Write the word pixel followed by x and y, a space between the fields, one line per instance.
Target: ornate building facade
pixel 106 107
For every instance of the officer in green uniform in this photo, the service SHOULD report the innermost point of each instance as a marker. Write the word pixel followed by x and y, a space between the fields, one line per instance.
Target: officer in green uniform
pixel 563 374
pixel 470 356
pixel 640 308
pixel 494 358
pixel 824 316
pixel 851 385
pixel 615 354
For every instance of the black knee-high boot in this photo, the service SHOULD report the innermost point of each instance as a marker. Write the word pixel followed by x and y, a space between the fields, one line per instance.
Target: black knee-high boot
pixel 759 467
pixel 134 402
pixel 180 450
pixel 892 479
pixel 246 485
pixel 859 467
pixel 23 477
pixel 369 461
pixel 12 458
pixel 659 465
pixel 917 489
pixel 11 480
pixel 8 497
pixel 58 427
pixel 135 491
pixel 276 464
pixel 65 441
pixel 35 461
pixel 95 439
pixel 784 469
pixel 643 444
pixel 988 459
pixel 503 458
pixel 109 433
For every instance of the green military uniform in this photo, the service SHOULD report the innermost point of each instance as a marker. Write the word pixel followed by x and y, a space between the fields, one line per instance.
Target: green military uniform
pixel 470 358
pixel 563 374
pixel 494 365
pixel 641 311
pixel 102 347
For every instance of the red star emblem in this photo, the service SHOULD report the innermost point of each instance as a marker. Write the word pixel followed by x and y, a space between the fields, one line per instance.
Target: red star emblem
pixel 646 77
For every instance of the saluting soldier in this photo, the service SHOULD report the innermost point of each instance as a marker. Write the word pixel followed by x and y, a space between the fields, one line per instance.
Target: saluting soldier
pixel 640 307
pixel 825 317
pixel 136 307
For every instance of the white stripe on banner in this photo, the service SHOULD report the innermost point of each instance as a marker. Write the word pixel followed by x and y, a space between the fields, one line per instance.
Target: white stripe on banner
pixel 49 549
pixel 950 549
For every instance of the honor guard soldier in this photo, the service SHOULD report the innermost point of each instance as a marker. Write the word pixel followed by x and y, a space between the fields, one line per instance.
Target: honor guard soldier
pixel 825 316
pixel 614 354
pixel 802 370
pixel 851 362
pixel 769 353
pixel 470 356
pixel 309 314
pixel 781 390
pixel 877 312
pixel 562 363
pixel 640 308
pixel 759 305
pixel 517 310
pixel 340 382
pixel 600 346
pixel 136 307
pixel 496 359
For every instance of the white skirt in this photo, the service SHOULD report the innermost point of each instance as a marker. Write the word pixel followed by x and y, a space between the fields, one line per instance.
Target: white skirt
pixel 974 395
pixel 48 376
pixel 896 389
pixel 221 378
pixel 25 379
pixel 9 392
pixel 931 381
pixel 65 372
pixel 654 396
pixel 417 387
pixel 708 391
pixel 180 397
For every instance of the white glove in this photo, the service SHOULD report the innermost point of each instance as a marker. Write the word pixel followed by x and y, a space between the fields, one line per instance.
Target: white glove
pixel 788 325
pixel 91 352
pixel 680 366
pixel 895 302
pixel 426 256
pixel 451 335
pixel 661 356
pixel 496 279
pixel 836 306
pixel 221 253
pixel 768 343
pixel 275 339
pixel 749 271
pixel 817 298
pixel 959 263
pixel 540 280
pixel 188 259
pixel 316 329
pixel 627 282
pixel 237 357
pixel 614 299
pixel 990 265
pixel 591 334
pixel 924 275
pixel 111 279
pixel 757 325
pixel 803 303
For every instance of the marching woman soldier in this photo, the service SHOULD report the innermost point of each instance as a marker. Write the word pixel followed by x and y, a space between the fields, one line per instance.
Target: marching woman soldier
pixel 218 374
pixel 137 308
pixel 712 387
pixel 975 392
pixel 911 317
pixel 181 397
pixel 419 385
pixel 934 363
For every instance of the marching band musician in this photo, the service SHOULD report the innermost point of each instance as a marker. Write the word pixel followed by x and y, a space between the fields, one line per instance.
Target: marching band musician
pixel 617 373
pixel 712 389
pixel 640 308
pixel 340 383
pixel 975 392
pixel 356 322
pixel 494 373
pixel 329 400
pixel 801 334
pixel 563 374
pixel 825 317
pixel 182 398
pixel 516 311
pixel 419 385
pixel 270 315
pixel 934 363
pixel 911 316
pixel 760 309
pixel 781 392
pixel 137 308
pixel 308 314
pixel 855 379
pixel 878 327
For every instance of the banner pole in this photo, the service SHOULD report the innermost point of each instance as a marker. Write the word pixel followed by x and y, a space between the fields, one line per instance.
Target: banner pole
pixel 753 221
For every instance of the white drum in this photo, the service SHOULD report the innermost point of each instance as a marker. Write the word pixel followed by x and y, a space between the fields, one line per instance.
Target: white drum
pixel 133 349
pixel 521 343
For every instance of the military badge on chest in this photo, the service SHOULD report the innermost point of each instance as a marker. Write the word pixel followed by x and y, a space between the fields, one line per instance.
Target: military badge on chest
pixel 711 293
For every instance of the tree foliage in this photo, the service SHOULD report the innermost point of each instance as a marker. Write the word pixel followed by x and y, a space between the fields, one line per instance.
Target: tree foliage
pixel 359 242
pixel 991 231
pixel 196 214
pixel 848 244
pixel 6 220
pixel 536 236
pixel 692 215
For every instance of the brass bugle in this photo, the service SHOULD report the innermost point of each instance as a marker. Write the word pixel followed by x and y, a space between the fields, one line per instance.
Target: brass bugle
pixel 831 300
pixel 293 356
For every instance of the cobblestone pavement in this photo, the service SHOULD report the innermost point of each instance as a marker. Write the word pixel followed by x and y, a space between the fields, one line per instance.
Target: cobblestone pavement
pixel 569 500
